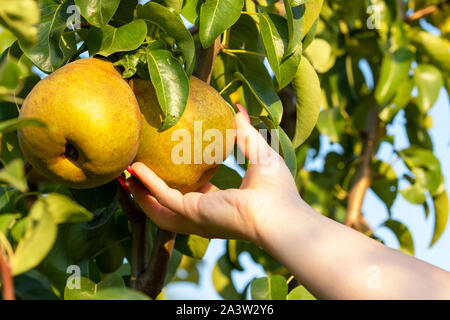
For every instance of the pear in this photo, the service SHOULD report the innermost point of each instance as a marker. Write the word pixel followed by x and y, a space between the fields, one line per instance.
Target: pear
pixel 93 124
pixel 200 137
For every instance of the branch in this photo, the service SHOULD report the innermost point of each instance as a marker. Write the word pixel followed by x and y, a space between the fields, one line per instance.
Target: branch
pixel 139 240
pixel 425 11
pixel 152 281
pixel 7 278
pixel 205 61
pixel 363 175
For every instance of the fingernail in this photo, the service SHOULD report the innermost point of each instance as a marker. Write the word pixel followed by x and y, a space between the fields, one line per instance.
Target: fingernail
pixel 244 112
pixel 121 180
pixel 131 171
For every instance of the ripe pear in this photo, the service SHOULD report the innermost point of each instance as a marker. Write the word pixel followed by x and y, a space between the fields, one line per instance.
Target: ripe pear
pixel 93 124
pixel 159 150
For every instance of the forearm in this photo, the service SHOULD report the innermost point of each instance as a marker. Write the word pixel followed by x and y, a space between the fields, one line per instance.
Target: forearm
pixel 336 262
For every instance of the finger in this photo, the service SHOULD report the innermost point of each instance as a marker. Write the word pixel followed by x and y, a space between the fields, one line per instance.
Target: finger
pixel 160 215
pixel 251 142
pixel 166 196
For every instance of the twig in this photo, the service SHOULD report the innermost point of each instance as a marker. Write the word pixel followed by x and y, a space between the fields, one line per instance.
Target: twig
pixel 206 60
pixel 426 11
pixel 364 173
pixel 152 280
pixel 139 242
pixel 7 278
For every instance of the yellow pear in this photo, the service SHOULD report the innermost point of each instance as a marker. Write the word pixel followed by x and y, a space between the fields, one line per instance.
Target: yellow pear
pixel 93 124
pixel 186 155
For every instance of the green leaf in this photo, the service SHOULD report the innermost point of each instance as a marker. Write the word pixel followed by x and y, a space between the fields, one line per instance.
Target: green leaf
pixel 403 235
pixel 313 8
pixel 97 12
pixel 7 220
pixel 221 277
pixel 331 123
pixel 215 17
pixel 11 76
pixel 13 174
pixel 394 71
pixel 95 198
pixel 441 208
pixel 428 80
pixel 265 95
pixel 414 194
pixel 109 40
pixel 295 15
pixel 385 182
pixel 14 124
pixel 308 96
pixel 171 84
pixel 300 293
pixel 86 289
pixel 118 294
pixel 191 245
pixel 19 17
pixel 437 49
pixel 321 55
pixel 51 50
pixel 274 33
pixel 37 242
pixel 401 100
pixel 425 167
pixel 62 209
pixel 269 288
pixel 176 5
pixel 173 26
pixel 191 11
pixel 226 178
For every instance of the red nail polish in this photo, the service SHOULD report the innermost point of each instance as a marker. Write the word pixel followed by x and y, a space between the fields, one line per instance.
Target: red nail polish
pixel 121 180
pixel 131 171
pixel 242 109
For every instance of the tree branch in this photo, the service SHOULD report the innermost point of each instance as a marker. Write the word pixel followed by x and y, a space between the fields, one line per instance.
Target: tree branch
pixel 7 278
pixel 139 241
pixel 152 280
pixel 426 11
pixel 364 173
pixel 205 61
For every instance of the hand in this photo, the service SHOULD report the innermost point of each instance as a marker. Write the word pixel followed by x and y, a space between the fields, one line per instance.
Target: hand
pixel 267 192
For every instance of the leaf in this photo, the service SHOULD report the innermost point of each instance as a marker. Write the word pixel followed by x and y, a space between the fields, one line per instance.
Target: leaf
pixel 300 293
pixel 173 26
pixel 97 12
pixel 124 13
pixel 109 40
pixel 401 100
pixel 313 8
pixel 265 94
pixel 13 174
pixel 414 194
pixel 86 289
pixel 19 17
pixel 269 288
pixel 226 178
pixel 321 55
pixel 295 15
pixel 171 84
pixel 403 235
pixel 437 49
pixel 11 76
pixel 37 242
pixel 394 71
pixel 95 198
pixel 191 245
pixel 221 277
pixel 62 209
pixel 425 167
pixel 274 33
pixel 385 182
pixel 176 5
pixel 331 123
pixel 428 80
pixel 308 96
pixel 14 124
pixel 215 17
pixel 50 52
pixel 118 293
pixel 441 208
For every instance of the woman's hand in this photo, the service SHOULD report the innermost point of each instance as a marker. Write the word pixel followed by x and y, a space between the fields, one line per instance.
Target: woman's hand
pixel 268 191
